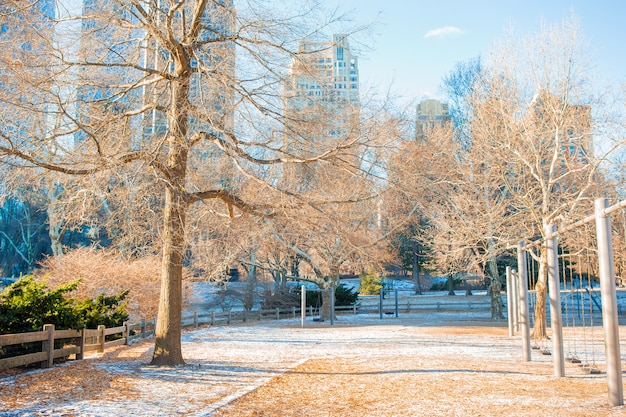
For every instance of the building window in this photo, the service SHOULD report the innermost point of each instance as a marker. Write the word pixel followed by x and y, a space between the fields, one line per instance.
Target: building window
pixel 339 54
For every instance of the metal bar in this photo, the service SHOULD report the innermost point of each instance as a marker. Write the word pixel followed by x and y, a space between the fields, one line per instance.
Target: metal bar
pixel 554 287
pixel 609 302
pixel 509 299
pixel 302 306
pixel 523 300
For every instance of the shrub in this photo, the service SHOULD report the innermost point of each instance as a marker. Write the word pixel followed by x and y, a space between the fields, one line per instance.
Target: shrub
pixel 345 296
pixel 371 283
pixel 104 272
pixel 109 310
pixel 26 305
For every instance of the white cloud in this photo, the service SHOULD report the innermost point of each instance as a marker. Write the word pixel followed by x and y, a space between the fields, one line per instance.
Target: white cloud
pixel 446 31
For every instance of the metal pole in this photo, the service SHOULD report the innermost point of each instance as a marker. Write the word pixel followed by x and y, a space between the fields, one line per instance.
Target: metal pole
pixel 332 305
pixel 396 302
pixel 609 303
pixel 515 294
pixel 523 300
pixel 554 287
pixel 380 304
pixel 303 305
pixel 509 299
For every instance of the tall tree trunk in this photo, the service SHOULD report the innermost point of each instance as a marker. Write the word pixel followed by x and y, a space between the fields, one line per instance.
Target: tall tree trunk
pixel 56 229
pixel 167 348
pixel 248 301
pixel 450 283
pixel 331 283
pixel 416 267
pixel 541 293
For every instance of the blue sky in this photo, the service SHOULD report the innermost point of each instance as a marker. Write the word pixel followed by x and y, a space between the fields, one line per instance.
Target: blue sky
pixel 416 43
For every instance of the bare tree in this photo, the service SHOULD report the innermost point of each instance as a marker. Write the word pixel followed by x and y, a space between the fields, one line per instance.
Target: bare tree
pixel 153 86
pixel 534 120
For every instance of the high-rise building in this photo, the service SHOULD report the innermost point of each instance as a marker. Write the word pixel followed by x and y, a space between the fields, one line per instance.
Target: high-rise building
pixel 134 57
pixel 431 114
pixel 321 99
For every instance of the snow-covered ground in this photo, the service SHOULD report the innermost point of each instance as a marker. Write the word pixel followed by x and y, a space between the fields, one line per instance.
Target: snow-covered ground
pixel 225 363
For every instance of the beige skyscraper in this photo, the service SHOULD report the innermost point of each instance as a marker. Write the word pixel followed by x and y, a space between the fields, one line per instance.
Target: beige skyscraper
pixel 321 99
pixel 431 113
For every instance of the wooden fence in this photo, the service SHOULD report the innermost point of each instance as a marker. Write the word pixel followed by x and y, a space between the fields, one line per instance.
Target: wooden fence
pixel 72 342
pixel 79 342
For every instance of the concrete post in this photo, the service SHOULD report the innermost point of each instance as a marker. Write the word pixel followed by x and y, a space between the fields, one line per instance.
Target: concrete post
pixel 609 303
pixel 509 300
pixel 523 300
pixel 515 292
pixel 554 287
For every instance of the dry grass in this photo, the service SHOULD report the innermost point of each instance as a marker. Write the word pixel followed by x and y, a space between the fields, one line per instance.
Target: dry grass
pixel 360 387
pixel 72 381
pixel 400 381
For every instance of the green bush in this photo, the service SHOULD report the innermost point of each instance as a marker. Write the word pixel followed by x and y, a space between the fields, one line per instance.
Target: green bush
pixel 345 296
pixel 371 283
pixel 108 310
pixel 26 305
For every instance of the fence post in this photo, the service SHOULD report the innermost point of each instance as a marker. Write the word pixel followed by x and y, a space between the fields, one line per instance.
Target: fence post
pixel 81 345
pixel 125 333
pixel 609 303
pixel 396 302
pixel 101 337
pixel 230 314
pixel 244 318
pixel 195 319
pixel 277 313
pixel 48 346
pixel 380 303
pixel 554 288
pixel 509 299
pixel 212 318
pixel 524 316
pixel 260 313
pixel 143 328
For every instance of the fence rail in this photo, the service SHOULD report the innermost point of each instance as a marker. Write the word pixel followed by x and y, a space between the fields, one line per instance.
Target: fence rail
pixel 70 342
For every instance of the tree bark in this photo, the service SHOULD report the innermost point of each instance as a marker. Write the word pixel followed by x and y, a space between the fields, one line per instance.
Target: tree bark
pixel 329 285
pixel 416 267
pixel 167 348
pixel 55 230
pixel 251 282
pixel 540 328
